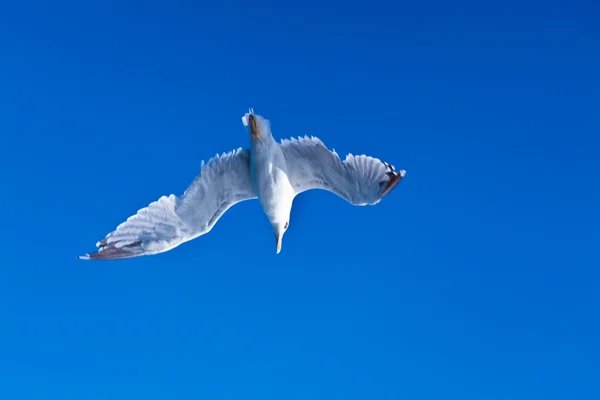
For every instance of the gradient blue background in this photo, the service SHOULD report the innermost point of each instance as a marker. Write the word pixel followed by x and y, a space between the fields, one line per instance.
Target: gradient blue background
pixel 477 278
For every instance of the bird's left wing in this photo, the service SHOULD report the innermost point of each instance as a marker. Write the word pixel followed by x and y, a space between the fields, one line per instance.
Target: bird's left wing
pixel 360 180
pixel 171 220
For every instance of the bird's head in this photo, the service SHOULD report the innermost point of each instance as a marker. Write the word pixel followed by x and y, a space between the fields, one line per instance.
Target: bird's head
pixel 280 218
pixel 258 127
pixel 279 228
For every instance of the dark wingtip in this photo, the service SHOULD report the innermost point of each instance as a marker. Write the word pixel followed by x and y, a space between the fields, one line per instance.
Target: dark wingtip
pixel 110 252
pixel 395 179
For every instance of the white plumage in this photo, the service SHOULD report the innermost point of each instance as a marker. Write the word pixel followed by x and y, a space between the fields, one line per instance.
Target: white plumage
pixel 360 180
pixel 273 172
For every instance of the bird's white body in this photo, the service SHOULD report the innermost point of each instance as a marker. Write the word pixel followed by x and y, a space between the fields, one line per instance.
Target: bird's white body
pixel 270 180
pixel 273 172
pixel 269 173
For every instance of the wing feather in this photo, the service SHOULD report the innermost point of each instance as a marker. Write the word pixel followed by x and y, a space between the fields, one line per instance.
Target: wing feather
pixel 171 220
pixel 360 180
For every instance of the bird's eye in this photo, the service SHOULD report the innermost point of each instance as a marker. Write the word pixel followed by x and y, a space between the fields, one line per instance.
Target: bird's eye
pixel 286 225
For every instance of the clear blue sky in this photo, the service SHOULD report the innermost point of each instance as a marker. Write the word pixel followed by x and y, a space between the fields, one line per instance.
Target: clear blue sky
pixel 476 278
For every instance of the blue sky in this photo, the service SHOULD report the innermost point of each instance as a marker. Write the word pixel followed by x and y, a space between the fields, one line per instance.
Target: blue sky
pixel 476 278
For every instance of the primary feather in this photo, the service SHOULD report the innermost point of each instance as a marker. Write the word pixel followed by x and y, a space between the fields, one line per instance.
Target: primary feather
pixel 171 220
pixel 360 180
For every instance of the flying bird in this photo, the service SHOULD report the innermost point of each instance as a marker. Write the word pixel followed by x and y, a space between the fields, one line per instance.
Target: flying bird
pixel 273 172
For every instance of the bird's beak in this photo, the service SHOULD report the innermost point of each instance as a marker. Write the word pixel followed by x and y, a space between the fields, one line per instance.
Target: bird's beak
pixel 254 132
pixel 278 242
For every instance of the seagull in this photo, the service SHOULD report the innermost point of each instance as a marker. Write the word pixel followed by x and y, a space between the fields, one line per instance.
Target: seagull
pixel 273 172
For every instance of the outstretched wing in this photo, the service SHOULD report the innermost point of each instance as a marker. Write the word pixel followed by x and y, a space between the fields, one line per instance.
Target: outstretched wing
pixel 360 180
pixel 166 223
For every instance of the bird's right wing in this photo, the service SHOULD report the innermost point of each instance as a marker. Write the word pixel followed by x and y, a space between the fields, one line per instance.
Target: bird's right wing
pixel 169 221
pixel 360 180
